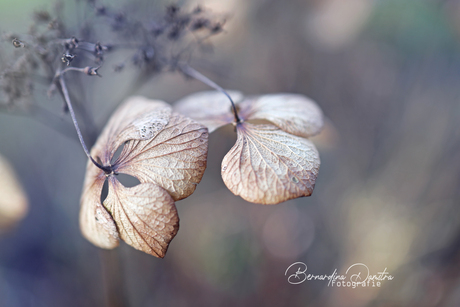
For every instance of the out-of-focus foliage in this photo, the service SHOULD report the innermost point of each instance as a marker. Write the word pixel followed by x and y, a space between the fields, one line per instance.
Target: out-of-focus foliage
pixel 13 200
pixel 387 194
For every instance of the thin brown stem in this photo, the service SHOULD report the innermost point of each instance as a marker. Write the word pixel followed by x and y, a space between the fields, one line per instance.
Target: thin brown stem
pixel 65 94
pixel 197 75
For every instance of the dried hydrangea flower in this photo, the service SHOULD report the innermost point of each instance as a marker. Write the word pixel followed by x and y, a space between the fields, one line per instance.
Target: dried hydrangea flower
pixel 270 163
pixel 166 152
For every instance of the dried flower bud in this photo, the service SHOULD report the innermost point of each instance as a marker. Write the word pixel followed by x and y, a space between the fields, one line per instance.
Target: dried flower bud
pixel 71 43
pixel 216 28
pixel 67 58
pixel 199 23
pixel 98 48
pixel 101 10
pixel 172 10
pixel 92 71
pixel 175 32
pixel 74 42
pixel 17 43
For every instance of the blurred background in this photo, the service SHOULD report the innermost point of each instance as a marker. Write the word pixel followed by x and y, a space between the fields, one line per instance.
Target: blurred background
pixel 385 73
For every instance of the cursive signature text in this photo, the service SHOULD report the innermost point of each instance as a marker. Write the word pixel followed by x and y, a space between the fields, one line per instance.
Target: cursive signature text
pixel 357 275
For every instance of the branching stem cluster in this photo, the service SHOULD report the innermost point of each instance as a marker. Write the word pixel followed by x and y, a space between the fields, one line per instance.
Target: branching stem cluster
pixel 163 45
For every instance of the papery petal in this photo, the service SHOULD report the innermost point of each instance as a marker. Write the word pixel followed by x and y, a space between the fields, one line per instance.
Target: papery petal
pixel 269 166
pixel 96 223
pixel 145 215
pixel 175 158
pixel 211 108
pixel 293 113
pixel 137 118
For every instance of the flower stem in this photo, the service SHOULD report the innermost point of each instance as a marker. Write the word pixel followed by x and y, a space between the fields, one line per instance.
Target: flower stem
pixel 65 93
pixel 197 75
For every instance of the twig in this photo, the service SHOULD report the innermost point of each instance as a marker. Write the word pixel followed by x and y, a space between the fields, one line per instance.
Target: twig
pixel 197 75
pixel 65 93
pixel 90 71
